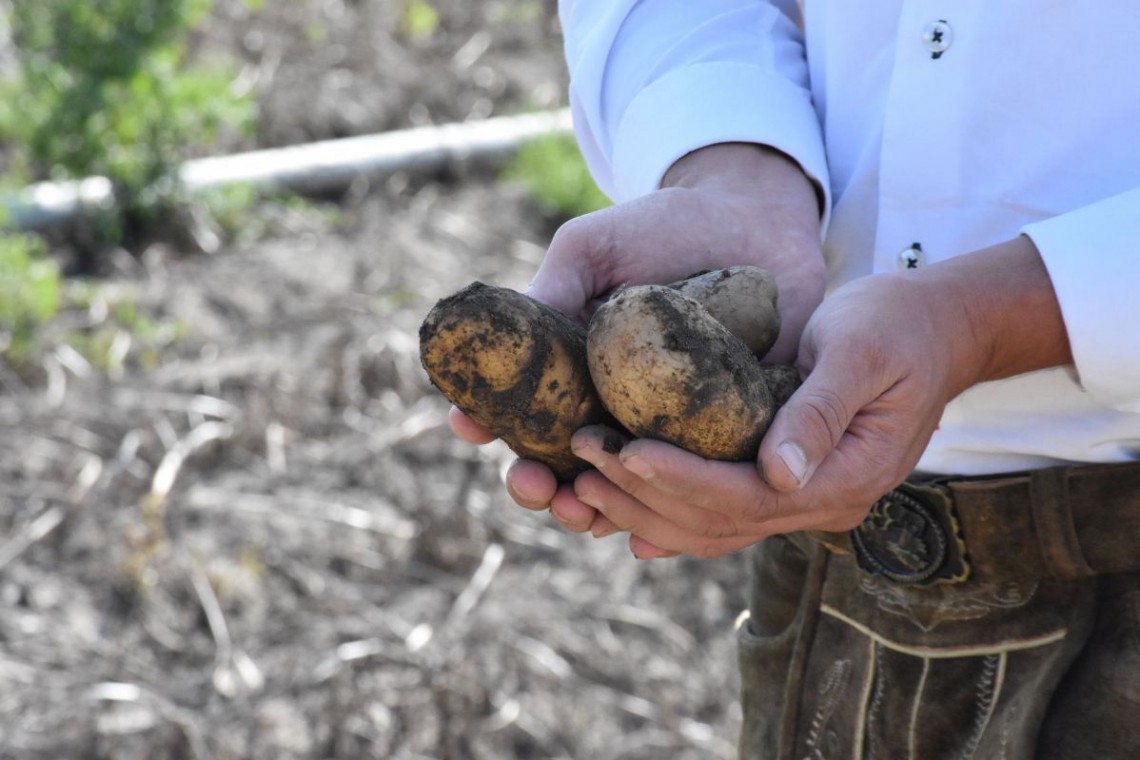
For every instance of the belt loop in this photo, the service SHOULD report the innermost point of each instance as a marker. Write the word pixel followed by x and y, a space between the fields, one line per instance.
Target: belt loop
pixel 1053 521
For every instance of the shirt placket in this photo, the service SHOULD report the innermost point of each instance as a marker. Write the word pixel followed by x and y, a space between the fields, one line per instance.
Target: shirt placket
pixel 920 164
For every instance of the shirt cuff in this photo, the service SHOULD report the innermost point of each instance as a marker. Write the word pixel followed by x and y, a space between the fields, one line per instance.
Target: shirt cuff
pixel 1092 255
pixel 710 103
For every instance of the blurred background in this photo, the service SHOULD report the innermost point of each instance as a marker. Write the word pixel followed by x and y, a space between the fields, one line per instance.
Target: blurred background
pixel 233 521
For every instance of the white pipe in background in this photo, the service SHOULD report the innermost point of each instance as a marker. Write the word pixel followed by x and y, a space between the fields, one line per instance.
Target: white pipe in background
pixel 314 167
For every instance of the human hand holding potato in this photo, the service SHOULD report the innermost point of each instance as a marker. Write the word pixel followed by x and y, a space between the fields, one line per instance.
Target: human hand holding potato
pixel 881 358
pixel 655 360
pixel 719 206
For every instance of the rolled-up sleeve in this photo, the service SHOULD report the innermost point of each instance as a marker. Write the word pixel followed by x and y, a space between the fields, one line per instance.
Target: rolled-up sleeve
pixel 1093 258
pixel 652 80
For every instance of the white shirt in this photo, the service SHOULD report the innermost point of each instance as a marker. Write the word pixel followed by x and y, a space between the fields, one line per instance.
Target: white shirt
pixel 954 125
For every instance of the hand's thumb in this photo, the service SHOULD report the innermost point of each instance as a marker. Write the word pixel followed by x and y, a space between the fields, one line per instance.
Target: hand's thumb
pixel 807 428
pixel 564 280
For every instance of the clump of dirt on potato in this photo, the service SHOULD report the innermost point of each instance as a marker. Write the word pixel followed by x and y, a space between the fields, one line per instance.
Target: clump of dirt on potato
pixel 666 369
pixel 517 367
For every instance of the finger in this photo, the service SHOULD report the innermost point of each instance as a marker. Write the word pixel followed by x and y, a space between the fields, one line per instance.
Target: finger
pixel 603 448
pixel 570 512
pixel 642 549
pixel 630 515
pixel 871 458
pixel 467 428
pixel 625 512
pixel 723 494
pixel 702 523
pixel 812 422
pixel 602 526
pixel 599 445
pixel 837 499
pixel 531 484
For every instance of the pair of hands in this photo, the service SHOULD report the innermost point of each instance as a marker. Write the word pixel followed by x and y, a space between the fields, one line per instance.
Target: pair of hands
pixel 881 358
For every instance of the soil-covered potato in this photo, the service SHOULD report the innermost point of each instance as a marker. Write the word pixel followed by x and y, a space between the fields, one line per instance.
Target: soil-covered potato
pixel 743 299
pixel 515 366
pixel 666 369
pixel 782 381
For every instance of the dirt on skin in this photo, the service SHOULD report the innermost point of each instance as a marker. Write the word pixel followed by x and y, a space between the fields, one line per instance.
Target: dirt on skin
pixel 246 530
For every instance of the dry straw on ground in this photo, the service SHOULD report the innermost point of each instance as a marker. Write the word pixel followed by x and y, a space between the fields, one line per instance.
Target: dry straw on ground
pixel 268 544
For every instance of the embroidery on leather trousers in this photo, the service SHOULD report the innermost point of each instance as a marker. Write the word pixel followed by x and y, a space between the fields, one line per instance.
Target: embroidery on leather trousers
pixel 926 608
pixel 822 741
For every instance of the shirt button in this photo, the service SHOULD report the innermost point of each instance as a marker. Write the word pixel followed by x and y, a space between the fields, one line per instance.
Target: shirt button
pixel 937 37
pixel 911 258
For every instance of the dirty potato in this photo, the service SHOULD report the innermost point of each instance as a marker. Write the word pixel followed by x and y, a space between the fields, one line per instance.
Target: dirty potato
pixel 515 366
pixel 782 380
pixel 666 369
pixel 743 299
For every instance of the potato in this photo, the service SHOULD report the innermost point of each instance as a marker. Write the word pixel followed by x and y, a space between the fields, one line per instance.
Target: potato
pixel 743 299
pixel 782 381
pixel 666 369
pixel 517 367
pixel 670 370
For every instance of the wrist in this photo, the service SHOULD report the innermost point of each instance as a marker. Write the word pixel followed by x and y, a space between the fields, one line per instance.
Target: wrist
pixel 1006 316
pixel 747 168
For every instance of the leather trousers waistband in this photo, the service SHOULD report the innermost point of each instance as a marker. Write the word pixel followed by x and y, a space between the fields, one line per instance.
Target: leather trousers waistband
pixel 1058 522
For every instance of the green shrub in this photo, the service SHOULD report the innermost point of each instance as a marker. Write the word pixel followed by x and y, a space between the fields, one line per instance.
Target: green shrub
pixel 553 171
pixel 29 294
pixel 107 88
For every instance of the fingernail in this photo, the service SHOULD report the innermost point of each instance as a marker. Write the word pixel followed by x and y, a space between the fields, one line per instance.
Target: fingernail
pixel 609 530
pixel 793 458
pixel 638 467
pixel 640 548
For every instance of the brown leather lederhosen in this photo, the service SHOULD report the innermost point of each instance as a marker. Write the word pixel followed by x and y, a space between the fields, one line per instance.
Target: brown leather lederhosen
pixel 965 618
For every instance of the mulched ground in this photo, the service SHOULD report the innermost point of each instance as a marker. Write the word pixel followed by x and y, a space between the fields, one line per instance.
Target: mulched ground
pixel 253 535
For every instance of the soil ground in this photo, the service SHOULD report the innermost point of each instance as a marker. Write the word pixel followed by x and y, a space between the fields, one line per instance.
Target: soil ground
pixel 255 537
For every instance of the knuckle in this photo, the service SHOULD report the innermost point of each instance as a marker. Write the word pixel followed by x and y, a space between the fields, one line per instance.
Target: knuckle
pixel 623 526
pixel 829 408
pixel 572 233
pixel 591 235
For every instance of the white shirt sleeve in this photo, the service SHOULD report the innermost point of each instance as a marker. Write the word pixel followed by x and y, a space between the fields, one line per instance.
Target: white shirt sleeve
pixel 652 80
pixel 1093 258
